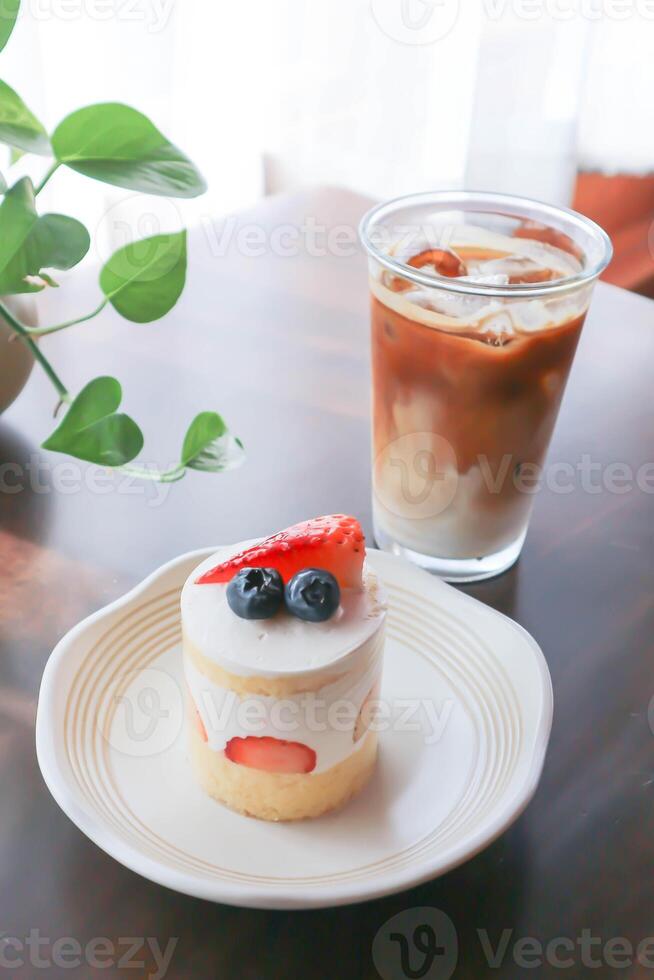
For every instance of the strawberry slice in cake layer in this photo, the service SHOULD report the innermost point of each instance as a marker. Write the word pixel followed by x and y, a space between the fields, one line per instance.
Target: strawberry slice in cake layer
pixel 270 754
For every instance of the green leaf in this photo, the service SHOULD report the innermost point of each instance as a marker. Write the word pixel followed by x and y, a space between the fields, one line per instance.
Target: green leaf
pixel 30 243
pixel 209 446
pixel 93 431
pixel 202 431
pixel 3 184
pixel 8 15
pixel 144 280
pixel 115 143
pixel 14 155
pixel 18 126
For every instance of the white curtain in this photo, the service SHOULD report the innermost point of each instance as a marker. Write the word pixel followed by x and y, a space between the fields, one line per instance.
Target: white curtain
pixel 362 106
pixel 523 136
pixel 382 96
pixel 617 111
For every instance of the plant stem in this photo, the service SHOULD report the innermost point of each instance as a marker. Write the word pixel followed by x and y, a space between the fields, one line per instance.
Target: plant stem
pixel 46 178
pixel 165 476
pixel 44 331
pixel 22 331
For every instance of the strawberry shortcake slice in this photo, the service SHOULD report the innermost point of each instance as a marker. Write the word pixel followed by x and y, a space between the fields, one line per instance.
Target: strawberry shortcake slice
pixel 283 644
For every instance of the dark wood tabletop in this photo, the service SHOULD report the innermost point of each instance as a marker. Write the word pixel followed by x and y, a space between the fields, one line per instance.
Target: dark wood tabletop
pixel 278 343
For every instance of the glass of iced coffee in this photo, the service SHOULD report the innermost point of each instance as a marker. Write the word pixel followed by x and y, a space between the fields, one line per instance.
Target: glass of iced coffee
pixel 478 301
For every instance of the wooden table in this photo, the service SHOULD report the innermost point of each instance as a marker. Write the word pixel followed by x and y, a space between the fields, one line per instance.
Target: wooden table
pixel 279 344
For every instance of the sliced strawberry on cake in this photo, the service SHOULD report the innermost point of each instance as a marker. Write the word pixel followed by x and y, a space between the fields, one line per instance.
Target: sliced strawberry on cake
pixel 335 543
pixel 271 754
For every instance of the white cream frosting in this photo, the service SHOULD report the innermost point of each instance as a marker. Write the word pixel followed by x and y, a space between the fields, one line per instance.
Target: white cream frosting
pixel 324 720
pixel 282 645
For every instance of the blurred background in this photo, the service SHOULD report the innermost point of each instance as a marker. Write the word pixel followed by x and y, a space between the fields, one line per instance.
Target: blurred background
pixel 548 98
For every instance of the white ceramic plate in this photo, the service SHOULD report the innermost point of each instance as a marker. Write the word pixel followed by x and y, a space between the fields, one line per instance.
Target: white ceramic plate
pixel 471 705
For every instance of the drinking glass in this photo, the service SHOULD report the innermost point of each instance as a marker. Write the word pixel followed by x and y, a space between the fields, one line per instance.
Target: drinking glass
pixel 478 301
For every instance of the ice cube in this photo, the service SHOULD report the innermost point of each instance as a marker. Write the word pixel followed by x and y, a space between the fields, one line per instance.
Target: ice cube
pixel 470 239
pixel 530 315
pixel 469 250
pixel 457 305
pixel 515 269
pixel 497 327
pixel 487 279
pixel 444 261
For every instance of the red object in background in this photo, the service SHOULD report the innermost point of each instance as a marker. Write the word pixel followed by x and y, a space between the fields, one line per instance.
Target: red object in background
pixel 624 207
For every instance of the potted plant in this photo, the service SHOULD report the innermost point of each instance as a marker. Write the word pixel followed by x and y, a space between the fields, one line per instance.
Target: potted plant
pixel 142 281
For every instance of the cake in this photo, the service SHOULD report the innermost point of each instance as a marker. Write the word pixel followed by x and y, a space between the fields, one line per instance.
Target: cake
pixel 283 642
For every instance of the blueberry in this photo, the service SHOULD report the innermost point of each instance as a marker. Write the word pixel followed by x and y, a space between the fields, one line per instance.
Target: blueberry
pixel 255 593
pixel 312 594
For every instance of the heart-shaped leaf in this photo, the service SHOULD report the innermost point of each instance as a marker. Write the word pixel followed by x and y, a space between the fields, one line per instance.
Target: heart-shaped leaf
pixel 20 127
pixel 92 429
pixel 30 243
pixel 115 143
pixel 8 15
pixel 209 446
pixel 143 280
